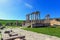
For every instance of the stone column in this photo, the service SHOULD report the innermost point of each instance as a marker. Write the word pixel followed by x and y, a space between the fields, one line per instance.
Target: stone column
pixel 16 23
pixel 27 17
pixel 35 16
pixel 31 20
pixel 39 17
pixel 47 18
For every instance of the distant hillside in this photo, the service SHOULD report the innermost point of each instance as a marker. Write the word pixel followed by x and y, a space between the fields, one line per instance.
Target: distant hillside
pixel 9 21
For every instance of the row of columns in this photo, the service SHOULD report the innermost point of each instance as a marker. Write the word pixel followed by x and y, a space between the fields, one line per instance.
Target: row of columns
pixel 27 17
pixel 35 16
pixel 47 18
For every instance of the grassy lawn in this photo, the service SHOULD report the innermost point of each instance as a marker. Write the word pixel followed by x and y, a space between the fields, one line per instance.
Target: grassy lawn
pixel 49 31
pixel 9 21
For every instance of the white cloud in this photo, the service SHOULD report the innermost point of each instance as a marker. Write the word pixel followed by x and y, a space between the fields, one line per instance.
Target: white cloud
pixel 28 5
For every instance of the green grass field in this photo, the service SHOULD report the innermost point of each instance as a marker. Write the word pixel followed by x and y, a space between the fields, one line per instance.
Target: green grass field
pixel 45 30
pixel 49 31
pixel 9 21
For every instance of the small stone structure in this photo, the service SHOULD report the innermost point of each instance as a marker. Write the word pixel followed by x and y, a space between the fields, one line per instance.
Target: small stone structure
pixel 54 22
pixel 11 35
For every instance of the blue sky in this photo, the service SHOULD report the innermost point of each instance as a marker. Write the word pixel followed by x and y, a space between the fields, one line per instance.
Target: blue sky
pixel 17 9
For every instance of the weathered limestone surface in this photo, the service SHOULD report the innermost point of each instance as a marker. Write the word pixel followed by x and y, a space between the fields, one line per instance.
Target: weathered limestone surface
pixel 34 36
pixel 54 22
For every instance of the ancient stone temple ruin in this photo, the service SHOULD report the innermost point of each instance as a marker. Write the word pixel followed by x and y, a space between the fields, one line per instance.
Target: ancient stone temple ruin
pixel 33 20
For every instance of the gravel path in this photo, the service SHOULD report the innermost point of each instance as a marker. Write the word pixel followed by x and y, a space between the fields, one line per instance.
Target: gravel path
pixel 34 36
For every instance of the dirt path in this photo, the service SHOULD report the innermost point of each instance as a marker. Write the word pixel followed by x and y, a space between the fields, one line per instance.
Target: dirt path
pixel 34 36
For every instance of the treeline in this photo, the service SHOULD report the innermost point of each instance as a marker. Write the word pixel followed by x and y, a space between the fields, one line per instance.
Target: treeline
pixel 13 24
pixel 9 23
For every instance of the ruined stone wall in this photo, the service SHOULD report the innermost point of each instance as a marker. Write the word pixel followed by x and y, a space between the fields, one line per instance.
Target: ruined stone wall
pixel 54 22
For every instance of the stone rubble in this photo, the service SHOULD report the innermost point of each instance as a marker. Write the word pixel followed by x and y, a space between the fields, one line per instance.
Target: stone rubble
pixel 33 35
